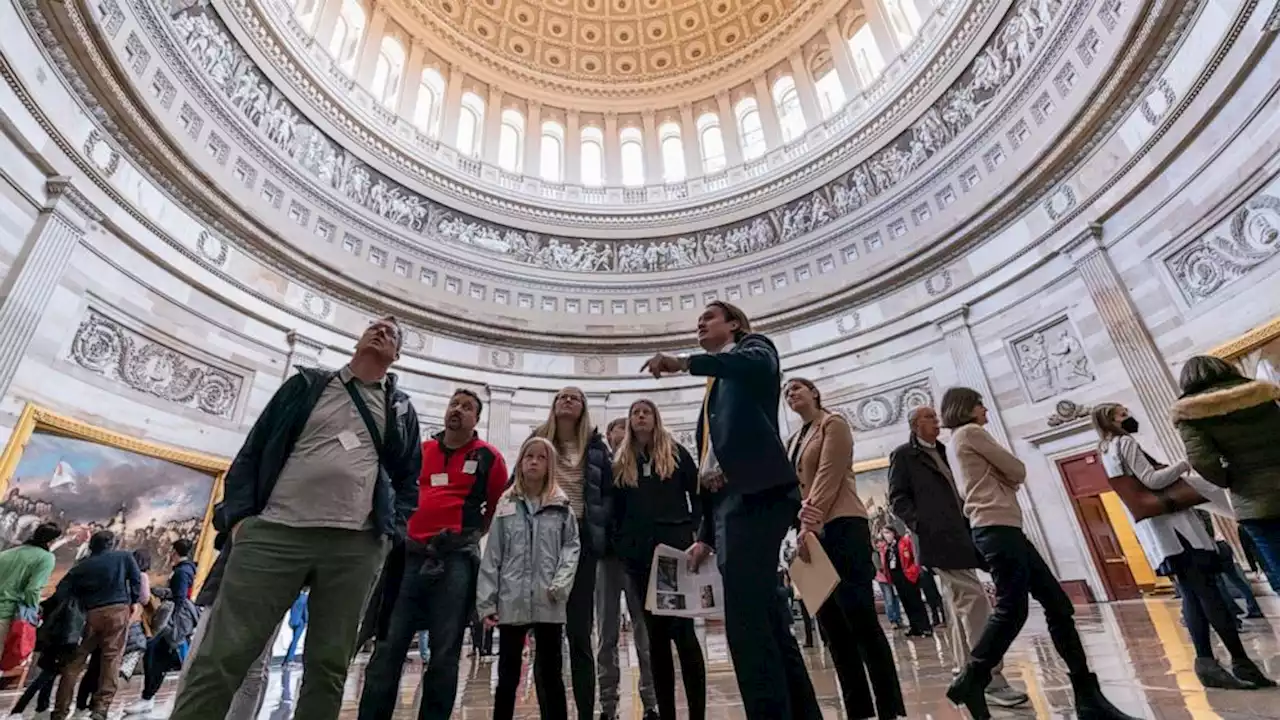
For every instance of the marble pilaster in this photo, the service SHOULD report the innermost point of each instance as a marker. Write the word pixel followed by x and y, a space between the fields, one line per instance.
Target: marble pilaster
pixel 729 130
pixel 498 411
pixel 370 46
pixel 843 60
pixel 303 352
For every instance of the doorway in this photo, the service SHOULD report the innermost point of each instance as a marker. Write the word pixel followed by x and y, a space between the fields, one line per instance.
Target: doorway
pixel 1107 530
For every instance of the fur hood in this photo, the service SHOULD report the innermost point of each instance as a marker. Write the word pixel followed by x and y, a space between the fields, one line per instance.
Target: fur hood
pixel 1224 400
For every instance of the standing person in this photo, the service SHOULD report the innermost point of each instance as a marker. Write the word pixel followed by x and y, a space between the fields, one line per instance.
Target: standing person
pixel 898 556
pixel 923 494
pixel 822 453
pixel 462 479
pixel 24 571
pixel 612 580
pixel 1229 425
pixel 656 502
pixel 750 498
pixel 297 624
pixel 892 609
pixel 163 650
pixel 583 471
pixel 326 478
pixel 107 585
pixel 1177 545
pixel 526 577
pixel 992 477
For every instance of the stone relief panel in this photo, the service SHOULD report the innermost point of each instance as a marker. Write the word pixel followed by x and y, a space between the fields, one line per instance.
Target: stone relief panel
pixel 107 348
pixel 1249 237
pixel 233 75
pixel 1051 360
pixel 885 407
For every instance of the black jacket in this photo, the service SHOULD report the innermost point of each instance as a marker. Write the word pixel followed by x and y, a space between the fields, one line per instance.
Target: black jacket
pixel 597 478
pixel 923 498
pixel 656 511
pixel 254 472
pixel 108 578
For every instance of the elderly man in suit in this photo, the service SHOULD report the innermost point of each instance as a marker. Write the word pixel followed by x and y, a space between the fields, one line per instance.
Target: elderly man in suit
pixel 754 497
pixel 923 494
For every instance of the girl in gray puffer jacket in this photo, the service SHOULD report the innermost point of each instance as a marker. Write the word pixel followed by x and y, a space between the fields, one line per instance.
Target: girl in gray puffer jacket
pixel 525 578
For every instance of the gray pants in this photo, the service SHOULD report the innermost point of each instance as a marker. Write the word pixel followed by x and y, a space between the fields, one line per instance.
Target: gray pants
pixel 611 582
pixel 248 700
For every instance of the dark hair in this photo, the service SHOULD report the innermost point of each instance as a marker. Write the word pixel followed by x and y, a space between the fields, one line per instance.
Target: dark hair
pixel 142 556
pixel 891 529
pixel 958 404
pixel 44 535
pixel 817 394
pixel 392 320
pixel 616 422
pixel 101 541
pixel 471 394
pixel 1205 371
pixel 733 313
pixel 182 547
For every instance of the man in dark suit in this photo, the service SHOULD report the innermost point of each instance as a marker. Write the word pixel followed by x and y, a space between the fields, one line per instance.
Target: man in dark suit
pixel 924 495
pixel 754 497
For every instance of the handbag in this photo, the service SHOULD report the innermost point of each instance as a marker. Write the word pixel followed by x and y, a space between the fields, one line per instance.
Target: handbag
pixel 20 641
pixel 1144 503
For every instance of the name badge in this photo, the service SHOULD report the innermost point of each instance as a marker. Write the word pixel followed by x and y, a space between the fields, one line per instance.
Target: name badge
pixel 439 479
pixel 648 469
pixel 505 508
pixel 469 467
pixel 348 440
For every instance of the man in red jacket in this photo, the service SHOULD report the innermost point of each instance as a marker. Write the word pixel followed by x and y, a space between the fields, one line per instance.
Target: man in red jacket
pixel 462 479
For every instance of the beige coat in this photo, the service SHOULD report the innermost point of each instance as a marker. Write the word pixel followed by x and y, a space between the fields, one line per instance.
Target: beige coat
pixel 825 468
pixel 992 476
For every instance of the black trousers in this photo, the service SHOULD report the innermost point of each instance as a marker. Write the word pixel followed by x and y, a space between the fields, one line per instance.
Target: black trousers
pixel 664 631
pixel 40 690
pixel 155 665
pixel 1203 606
pixel 1018 572
pixel 547 665
pixel 582 611
pixel 806 620
pixel 852 626
pixel 912 603
pixel 929 587
pixel 440 604
pixel 481 637
pixel 772 678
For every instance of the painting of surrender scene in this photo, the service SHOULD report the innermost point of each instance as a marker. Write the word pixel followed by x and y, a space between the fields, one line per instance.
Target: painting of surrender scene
pixel 86 486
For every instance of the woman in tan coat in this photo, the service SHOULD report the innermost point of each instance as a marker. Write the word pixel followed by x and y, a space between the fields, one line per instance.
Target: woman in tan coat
pixel 822 452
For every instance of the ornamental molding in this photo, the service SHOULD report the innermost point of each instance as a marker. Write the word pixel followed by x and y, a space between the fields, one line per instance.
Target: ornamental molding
pixel 1205 264
pixel 885 406
pixel 1050 359
pixel 125 356
pixel 1066 412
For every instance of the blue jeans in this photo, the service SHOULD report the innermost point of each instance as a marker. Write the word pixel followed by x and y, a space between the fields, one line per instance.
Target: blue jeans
pixel 424 650
pixel 1233 578
pixel 1266 538
pixel 293 644
pixel 892 609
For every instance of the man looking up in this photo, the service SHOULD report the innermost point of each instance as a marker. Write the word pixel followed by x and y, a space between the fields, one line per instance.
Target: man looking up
pixel 462 479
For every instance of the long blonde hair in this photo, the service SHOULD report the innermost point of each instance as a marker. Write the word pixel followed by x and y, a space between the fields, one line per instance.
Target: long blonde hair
pixel 663 454
pixel 1104 423
pixel 520 486
pixel 548 429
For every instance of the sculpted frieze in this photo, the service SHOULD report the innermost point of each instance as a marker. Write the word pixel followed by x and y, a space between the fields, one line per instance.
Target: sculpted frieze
pixel 886 406
pixel 1249 237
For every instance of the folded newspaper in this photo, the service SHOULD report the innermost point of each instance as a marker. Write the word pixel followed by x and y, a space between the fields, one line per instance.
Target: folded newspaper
pixel 674 590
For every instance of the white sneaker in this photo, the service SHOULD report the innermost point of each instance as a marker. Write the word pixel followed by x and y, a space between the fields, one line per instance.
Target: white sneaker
pixel 1007 696
pixel 141 707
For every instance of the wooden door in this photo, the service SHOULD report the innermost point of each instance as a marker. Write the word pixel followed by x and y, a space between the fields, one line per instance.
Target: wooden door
pixel 1086 482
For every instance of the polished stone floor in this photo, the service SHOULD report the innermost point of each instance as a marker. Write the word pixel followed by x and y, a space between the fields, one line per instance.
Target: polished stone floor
pixel 1139 650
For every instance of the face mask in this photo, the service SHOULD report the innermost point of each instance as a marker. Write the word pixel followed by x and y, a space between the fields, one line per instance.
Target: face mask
pixel 1129 425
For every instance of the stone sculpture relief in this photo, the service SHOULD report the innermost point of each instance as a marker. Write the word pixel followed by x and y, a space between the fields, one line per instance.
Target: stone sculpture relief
pixel 1051 360
pixel 1248 238
pixel 1067 411
pixel 113 351
pixel 232 73
pixel 885 407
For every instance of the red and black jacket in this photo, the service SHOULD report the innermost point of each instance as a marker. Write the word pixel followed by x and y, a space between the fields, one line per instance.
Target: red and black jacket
pixel 458 489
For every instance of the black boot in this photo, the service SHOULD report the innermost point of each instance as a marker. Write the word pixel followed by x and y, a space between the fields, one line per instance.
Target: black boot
pixel 1213 675
pixel 1246 670
pixel 969 689
pixel 1091 704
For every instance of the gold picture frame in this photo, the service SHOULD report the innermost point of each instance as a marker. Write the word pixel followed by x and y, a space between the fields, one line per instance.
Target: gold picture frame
pixel 1249 341
pixel 35 418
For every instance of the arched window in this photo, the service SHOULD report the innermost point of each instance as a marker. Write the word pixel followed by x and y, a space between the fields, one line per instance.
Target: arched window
pixel 867 59
pixel 673 169
pixel 632 143
pixel 830 92
pixel 790 116
pixel 750 129
pixel 470 120
pixel 387 71
pixel 592 157
pixel 903 18
pixel 552 151
pixel 511 141
pixel 711 143
pixel 347 32
pixel 426 114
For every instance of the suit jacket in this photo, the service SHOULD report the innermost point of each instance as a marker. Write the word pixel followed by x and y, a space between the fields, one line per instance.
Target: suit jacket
pixel 924 498
pixel 825 468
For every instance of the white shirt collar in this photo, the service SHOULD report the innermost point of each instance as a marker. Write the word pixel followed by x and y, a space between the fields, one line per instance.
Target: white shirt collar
pixel 732 344
pixel 930 445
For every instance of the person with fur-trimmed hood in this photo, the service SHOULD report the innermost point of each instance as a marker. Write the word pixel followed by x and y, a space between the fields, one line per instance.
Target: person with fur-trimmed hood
pixel 1231 428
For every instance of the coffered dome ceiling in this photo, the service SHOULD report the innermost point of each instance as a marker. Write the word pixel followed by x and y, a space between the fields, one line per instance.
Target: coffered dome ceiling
pixel 599 42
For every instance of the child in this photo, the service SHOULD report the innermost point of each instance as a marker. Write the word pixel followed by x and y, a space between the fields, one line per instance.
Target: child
pixel 525 579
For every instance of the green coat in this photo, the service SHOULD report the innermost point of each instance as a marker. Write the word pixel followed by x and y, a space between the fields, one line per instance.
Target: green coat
pixel 24 573
pixel 1232 434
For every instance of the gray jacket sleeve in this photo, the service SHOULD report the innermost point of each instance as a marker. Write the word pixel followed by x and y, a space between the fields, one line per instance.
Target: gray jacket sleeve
pixel 490 570
pixel 567 568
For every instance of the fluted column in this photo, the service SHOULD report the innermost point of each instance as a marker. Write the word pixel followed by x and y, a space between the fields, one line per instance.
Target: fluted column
pixel 729 131
pixel 573 148
pixel 805 90
pixel 970 372
pixel 768 113
pixel 452 109
pixel 35 273
pixel 1142 361
pixel 886 39
pixel 533 140
pixel 691 141
pixel 843 61
pixel 653 167
pixel 324 22
pixel 303 352
pixel 411 81
pixel 492 126
pixel 370 45
pixel 498 412
pixel 612 151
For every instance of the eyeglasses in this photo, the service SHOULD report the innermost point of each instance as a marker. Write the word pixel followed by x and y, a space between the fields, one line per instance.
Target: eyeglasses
pixel 573 398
